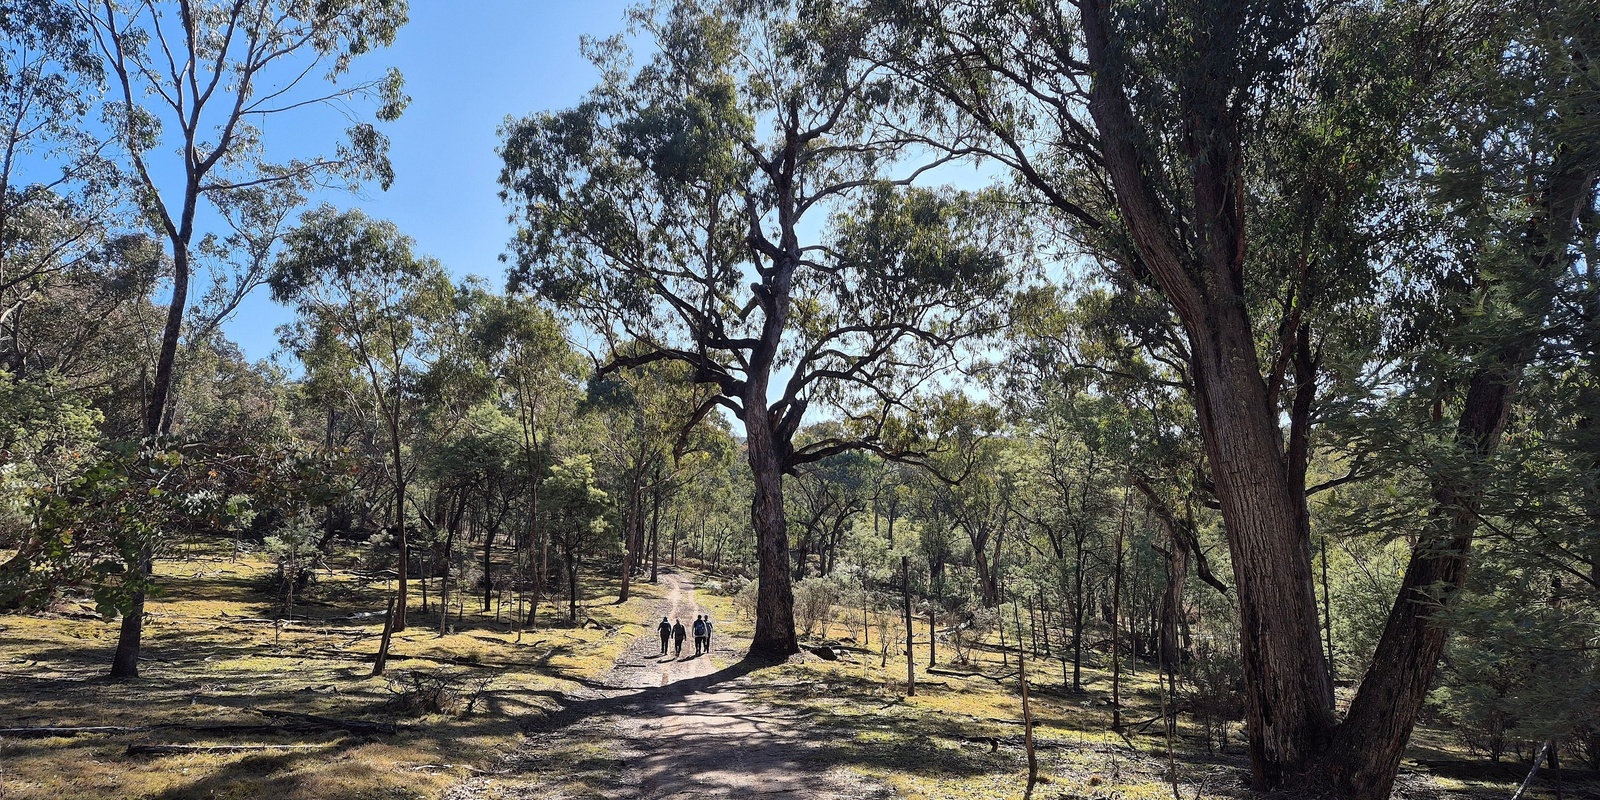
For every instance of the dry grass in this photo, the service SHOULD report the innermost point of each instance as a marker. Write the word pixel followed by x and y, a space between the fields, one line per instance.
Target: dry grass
pixel 209 665
pixel 206 664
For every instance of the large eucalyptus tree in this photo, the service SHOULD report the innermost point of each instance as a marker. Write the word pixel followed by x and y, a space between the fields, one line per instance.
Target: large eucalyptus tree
pixel 1269 169
pixel 733 204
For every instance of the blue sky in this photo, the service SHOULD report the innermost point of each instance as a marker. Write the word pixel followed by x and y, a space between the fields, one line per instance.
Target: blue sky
pixel 467 64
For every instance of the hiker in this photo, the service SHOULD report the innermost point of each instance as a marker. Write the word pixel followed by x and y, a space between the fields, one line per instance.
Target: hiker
pixel 708 634
pixel 699 634
pixel 666 633
pixel 677 638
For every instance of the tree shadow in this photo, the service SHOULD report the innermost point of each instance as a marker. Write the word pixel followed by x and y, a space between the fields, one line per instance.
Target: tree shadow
pixel 641 701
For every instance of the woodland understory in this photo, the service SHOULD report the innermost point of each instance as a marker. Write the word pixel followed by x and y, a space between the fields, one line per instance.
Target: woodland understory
pixel 1106 398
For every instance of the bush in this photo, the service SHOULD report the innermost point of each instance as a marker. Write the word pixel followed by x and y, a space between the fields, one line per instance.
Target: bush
pixel 975 627
pixel 1215 697
pixel 814 599
pixel 294 550
pixel 745 599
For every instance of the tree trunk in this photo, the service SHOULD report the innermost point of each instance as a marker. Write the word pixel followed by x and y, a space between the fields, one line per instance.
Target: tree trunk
pixel 399 518
pixel 572 588
pixel 1116 624
pixel 655 528
pixel 774 631
pixel 488 578
pixel 1286 683
pixel 125 661
pixel 632 534
pixel 911 656
pixel 1078 603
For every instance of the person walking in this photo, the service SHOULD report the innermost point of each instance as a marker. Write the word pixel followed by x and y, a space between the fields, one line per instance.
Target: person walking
pixel 665 630
pixel 708 634
pixel 677 638
pixel 699 633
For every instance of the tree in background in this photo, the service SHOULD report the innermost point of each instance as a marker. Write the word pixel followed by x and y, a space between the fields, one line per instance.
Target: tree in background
pixel 527 351
pixel 212 71
pixel 575 513
pixel 365 305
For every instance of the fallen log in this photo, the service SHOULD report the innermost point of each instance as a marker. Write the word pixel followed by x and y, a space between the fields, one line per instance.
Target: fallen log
pixel 70 731
pixel 960 674
pixel 994 742
pixel 351 725
pixel 178 749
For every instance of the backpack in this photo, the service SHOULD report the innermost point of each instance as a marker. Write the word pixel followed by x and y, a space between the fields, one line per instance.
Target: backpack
pixel 699 628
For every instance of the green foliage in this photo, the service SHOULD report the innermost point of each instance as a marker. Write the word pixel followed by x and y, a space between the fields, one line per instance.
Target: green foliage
pixel 97 530
pixel 574 509
pixel 49 435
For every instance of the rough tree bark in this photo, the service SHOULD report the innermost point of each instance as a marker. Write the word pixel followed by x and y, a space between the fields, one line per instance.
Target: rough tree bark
pixel 1286 680
pixel 1369 744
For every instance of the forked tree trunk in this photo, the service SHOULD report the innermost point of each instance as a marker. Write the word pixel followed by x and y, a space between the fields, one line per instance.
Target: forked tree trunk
pixel 1287 688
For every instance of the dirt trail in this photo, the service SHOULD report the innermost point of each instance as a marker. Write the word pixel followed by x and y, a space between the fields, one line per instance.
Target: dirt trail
pixel 684 726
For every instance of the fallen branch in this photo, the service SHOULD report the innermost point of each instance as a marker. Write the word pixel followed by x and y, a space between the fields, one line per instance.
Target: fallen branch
pixel 178 749
pixel 351 725
pixel 959 674
pixel 46 732
pixel 1537 761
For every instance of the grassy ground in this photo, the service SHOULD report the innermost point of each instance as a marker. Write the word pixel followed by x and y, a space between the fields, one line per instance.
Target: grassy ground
pixel 211 660
pixel 934 745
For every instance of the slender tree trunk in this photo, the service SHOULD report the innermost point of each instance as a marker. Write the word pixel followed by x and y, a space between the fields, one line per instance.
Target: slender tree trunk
pixel 1327 611
pixel 399 518
pixel 1077 617
pixel 911 656
pixel 655 529
pixel 488 578
pixel 1169 651
pixel 572 588
pixel 383 643
pixel 125 661
pixel 1116 625
pixel 634 526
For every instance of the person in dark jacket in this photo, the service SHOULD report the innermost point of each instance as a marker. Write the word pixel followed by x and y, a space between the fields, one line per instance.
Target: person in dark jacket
pixel 699 634
pixel 665 630
pixel 678 633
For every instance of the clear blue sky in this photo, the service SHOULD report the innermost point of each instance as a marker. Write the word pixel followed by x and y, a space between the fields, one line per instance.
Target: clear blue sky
pixel 467 64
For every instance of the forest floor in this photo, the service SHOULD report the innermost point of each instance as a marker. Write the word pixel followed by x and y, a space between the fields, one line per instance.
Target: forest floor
pixel 590 711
